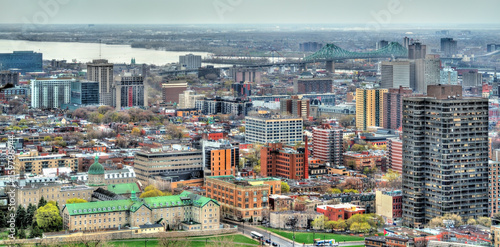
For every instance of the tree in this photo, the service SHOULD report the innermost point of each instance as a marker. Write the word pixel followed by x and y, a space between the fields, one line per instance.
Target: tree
pixel 364 227
pixel 471 222
pixel 391 175
pixel 484 221
pixel 22 234
pixel 346 120
pixel 164 240
pixel 285 188
pixel 47 217
pixel 136 131
pixel 21 217
pixel 30 213
pixel 152 191
pixel 75 200
pixel 334 191
pixel 355 227
pixel 358 148
pixel 36 232
pixel 47 139
pixel 320 222
pixel 351 191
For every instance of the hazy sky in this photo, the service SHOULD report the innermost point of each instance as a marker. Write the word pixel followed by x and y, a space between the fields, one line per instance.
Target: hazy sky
pixel 382 12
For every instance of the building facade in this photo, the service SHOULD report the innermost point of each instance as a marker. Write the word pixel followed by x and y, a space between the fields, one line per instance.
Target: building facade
pixel 427 72
pixel 295 107
pixel 239 107
pixel 267 130
pixel 417 51
pixel 188 98
pixel 339 211
pixel 393 107
pixel 279 161
pixel 190 61
pixel 312 85
pixel 11 77
pixel 395 154
pixel 85 92
pixel 445 163
pixel 220 158
pixel 472 79
pixel 186 211
pixel 304 220
pixel 395 74
pixel 389 204
pixel 50 93
pixel 173 164
pixel 130 91
pixel 448 47
pixel 171 90
pixel 33 163
pixel 328 144
pixel 101 71
pixel 369 108
pixel 22 61
pixel 242 198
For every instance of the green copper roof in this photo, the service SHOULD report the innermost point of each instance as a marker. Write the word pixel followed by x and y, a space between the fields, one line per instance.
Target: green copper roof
pixel 98 207
pixel 121 189
pixel 96 168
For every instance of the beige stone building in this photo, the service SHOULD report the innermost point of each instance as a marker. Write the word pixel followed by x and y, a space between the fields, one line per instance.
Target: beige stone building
pixel 51 191
pixel 185 211
pixel 33 163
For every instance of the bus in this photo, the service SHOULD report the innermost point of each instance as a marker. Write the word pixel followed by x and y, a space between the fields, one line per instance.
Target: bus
pixel 257 235
pixel 319 242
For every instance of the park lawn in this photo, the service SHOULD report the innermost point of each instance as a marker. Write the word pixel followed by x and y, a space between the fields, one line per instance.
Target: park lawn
pixel 4 235
pixel 308 237
pixel 153 242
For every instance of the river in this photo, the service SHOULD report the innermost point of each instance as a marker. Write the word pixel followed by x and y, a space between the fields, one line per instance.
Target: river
pixel 86 52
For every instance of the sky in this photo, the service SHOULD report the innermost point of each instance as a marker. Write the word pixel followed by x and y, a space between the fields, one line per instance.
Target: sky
pixel 366 12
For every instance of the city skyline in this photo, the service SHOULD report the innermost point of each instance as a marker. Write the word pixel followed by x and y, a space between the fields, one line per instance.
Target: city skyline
pixel 368 13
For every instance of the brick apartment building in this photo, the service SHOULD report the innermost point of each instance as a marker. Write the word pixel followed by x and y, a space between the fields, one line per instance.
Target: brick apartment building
pixel 340 211
pixel 286 162
pixel 242 198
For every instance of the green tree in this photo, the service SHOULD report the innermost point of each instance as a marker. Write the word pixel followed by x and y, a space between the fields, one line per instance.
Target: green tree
pixel 36 232
pixel 47 139
pixel 334 191
pixel 471 222
pixel 75 200
pixel 320 222
pixel 355 227
pixel 30 213
pixel 3 218
pixel 358 148
pixel 48 218
pixel 22 234
pixel 364 227
pixel 136 131
pixel 351 191
pixel 152 191
pixel 391 175
pixel 484 221
pixel 285 188
pixel 21 217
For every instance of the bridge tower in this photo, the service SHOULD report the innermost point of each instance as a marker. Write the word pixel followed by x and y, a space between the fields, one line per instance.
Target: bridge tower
pixel 330 66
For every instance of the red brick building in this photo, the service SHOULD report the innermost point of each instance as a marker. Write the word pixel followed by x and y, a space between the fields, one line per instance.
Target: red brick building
pixel 279 161
pixel 317 85
pixel 339 211
pixel 393 107
pixel 171 91
pixel 395 154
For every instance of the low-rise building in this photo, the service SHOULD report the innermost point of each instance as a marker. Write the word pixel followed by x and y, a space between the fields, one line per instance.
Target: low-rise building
pixel 242 198
pixel 185 211
pixel 286 162
pixel 340 211
pixel 280 203
pixel 32 162
pixel 389 204
pixel 304 219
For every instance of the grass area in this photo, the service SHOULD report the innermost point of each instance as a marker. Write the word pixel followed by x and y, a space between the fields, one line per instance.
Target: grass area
pixel 4 235
pixel 308 237
pixel 153 242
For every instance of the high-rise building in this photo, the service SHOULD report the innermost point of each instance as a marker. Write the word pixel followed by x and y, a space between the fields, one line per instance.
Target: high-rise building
pixel 395 154
pixel 171 90
pixel 449 76
pixel 286 162
pixel 369 108
pixel 85 92
pixel 492 47
pixel 190 61
pixel 130 91
pixel 494 189
pixel 417 51
pixel 313 85
pixel 406 42
pixel 246 74
pixel 310 46
pixel 242 89
pixel 448 47
pixel 427 72
pixel 188 98
pixel 21 61
pixel 381 44
pixel 220 158
pixel 10 77
pixel 445 162
pixel 101 71
pixel 393 107
pixel 395 74
pixel 267 130
pixel 472 79
pixel 48 93
pixel 328 144
pixel 295 106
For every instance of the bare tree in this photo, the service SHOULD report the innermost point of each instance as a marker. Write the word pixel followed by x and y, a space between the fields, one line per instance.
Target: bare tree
pixel 226 241
pixel 165 241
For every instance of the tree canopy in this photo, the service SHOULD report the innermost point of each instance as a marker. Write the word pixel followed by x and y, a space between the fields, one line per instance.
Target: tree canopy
pixel 285 188
pixel 75 200
pixel 48 217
